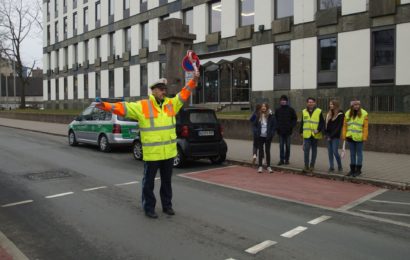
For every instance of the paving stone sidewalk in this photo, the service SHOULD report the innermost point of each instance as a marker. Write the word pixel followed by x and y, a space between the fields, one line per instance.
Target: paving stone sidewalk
pixel 383 167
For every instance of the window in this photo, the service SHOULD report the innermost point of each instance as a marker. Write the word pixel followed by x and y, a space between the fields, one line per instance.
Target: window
pixel 246 12
pixel 86 16
pixel 126 4
pixel 65 27
pixel 57 53
pixel 98 47
pixel 282 55
pixel 85 85
pixel 111 83
pixel 143 80
pixel 112 43
pixel 327 4
pixel 48 10
pixel 86 55
pixel 189 19
pixel 65 56
pixel 98 84
pixel 143 5
pixel 127 39
pixel 126 82
pixel 97 11
pixel 327 54
pixel 56 7
pixel 110 7
pixel 202 117
pixel 283 8
pixel 65 89
pixel 49 61
pixel 74 3
pixel 163 2
pixel 162 68
pixel 48 34
pixel 215 10
pixel 48 90
pixel 75 53
pixel 75 88
pixel 56 31
pixel 145 35
pixel 383 47
pixel 75 23
pixel 65 5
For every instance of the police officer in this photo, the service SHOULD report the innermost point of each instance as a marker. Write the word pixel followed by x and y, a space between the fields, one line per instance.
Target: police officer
pixel 156 118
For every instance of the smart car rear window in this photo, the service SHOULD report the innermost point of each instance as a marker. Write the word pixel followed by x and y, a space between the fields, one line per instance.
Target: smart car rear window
pixel 202 117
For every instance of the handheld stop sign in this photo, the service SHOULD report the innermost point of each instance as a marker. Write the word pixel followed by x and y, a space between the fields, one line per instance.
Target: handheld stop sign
pixel 191 62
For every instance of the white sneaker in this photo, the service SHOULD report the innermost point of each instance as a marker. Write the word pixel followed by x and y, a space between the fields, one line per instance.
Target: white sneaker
pixel 253 159
pixel 270 170
pixel 260 170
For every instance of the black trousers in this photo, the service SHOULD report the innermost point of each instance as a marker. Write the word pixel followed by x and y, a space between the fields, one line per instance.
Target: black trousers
pixel 264 143
pixel 148 182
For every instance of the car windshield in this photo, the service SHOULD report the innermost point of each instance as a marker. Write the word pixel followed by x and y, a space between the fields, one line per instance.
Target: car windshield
pixel 202 117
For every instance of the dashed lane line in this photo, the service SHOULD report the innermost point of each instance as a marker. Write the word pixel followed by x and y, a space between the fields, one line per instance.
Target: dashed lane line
pixel 126 183
pixel 385 213
pixel 157 178
pixel 59 195
pixel 319 220
pixel 294 232
pixel 259 247
pixel 390 202
pixel 17 203
pixel 95 188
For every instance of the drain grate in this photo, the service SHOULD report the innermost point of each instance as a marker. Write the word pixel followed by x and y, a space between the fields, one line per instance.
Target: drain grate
pixel 48 175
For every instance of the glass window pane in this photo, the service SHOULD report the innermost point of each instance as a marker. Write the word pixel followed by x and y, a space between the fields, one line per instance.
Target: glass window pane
pixel 97 11
pixel 326 4
pixel 328 54
pixel 383 48
pixel 282 59
pixel 189 19
pixel 111 7
pixel 247 15
pixel 112 44
pixel 126 4
pixel 284 8
pixel 145 35
pixel 215 17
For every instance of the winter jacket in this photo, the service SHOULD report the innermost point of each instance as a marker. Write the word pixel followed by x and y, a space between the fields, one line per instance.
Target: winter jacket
pixel 333 127
pixel 271 127
pixel 252 118
pixel 286 119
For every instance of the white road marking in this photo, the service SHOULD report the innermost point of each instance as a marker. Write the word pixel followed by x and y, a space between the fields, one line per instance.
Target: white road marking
pixel 17 203
pixel 386 213
pixel 294 232
pixel 127 183
pixel 208 170
pixel 362 199
pixel 230 259
pixel 59 195
pixel 259 247
pixel 319 220
pixel 95 188
pixel 11 248
pixel 390 202
pixel 157 178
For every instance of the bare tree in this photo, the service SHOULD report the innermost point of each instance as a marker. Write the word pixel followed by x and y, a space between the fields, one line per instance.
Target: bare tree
pixel 19 19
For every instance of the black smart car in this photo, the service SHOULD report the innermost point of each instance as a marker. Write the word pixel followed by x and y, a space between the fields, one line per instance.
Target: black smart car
pixel 199 136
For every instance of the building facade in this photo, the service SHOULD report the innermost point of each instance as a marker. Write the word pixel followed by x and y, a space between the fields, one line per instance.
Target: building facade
pixel 251 50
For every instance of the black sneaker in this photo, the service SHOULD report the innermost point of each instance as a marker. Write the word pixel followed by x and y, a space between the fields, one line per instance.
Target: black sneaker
pixel 281 163
pixel 169 211
pixel 286 162
pixel 151 214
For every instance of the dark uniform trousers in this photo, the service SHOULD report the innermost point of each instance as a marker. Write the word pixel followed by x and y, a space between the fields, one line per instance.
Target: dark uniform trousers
pixel 148 182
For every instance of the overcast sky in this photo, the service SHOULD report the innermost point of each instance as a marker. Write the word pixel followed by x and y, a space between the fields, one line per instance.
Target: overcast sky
pixel 33 50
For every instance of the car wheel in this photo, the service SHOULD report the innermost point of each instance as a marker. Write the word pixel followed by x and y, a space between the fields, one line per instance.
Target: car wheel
pixel 218 159
pixel 72 140
pixel 103 144
pixel 137 150
pixel 179 160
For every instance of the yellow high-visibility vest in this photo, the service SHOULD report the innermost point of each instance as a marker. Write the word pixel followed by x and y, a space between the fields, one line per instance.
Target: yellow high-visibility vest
pixel 311 123
pixel 355 126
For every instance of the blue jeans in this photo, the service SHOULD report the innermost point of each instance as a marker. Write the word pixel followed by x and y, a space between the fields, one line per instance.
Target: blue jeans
pixel 150 171
pixel 356 153
pixel 284 147
pixel 308 144
pixel 333 152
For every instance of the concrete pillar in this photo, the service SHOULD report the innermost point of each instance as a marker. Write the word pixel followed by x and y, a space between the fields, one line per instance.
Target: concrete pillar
pixel 175 37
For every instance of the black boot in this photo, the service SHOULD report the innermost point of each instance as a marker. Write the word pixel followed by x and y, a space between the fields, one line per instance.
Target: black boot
pixel 358 170
pixel 352 171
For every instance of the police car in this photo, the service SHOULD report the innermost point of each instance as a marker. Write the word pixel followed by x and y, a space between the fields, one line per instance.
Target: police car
pixel 104 129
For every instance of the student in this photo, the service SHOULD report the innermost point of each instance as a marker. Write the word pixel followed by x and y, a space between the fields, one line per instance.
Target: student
pixel 355 132
pixel 265 125
pixel 333 129
pixel 286 119
pixel 311 128
pixel 255 146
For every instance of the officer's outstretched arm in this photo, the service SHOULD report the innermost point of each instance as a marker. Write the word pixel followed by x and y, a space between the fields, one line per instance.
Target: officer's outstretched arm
pixel 184 95
pixel 131 110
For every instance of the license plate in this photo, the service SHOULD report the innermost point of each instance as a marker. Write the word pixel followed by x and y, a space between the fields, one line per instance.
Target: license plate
pixel 206 133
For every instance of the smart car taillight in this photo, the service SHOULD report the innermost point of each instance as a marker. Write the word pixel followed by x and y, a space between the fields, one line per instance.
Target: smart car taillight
pixel 185 131
pixel 116 129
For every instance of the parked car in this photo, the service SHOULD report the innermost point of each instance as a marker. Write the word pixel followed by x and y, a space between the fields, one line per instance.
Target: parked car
pixel 199 136
pixel 97 127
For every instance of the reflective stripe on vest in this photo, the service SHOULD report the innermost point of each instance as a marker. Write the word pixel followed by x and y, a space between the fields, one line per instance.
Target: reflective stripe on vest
pixel 311 123
pixel 160 143
pixel 355 126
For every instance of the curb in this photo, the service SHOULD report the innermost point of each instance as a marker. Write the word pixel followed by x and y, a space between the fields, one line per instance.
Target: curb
pixel 11 249
pixel 332 176
pixel 32 130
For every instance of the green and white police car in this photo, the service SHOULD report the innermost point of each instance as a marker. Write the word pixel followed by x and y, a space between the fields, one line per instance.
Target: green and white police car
pixel 97 127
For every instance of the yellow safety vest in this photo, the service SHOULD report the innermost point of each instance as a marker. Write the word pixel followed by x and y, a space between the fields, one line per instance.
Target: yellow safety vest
pixel 311 123
pixel 156 124
pixel 355 126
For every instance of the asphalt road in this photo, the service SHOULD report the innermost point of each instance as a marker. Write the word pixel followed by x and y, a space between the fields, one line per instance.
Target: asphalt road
pixel 97 213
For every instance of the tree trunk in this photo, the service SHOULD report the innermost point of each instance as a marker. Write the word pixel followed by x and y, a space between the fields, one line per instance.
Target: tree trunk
pixel 23 93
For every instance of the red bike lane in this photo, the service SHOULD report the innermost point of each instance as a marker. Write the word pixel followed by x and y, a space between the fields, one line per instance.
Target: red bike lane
pixel 294 187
